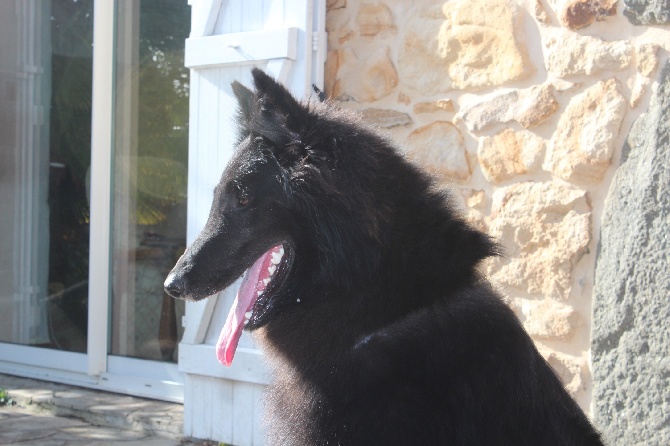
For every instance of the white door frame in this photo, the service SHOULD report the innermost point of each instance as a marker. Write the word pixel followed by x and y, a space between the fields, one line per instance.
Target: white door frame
pixel 97 369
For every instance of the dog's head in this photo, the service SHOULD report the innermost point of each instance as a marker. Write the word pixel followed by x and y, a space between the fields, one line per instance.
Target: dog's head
pixel 275 209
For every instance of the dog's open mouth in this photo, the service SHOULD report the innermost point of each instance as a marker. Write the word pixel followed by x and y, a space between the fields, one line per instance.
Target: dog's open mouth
pixel 259 283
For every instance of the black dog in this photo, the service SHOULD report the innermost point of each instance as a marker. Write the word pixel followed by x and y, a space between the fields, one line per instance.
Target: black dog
pixel 363 289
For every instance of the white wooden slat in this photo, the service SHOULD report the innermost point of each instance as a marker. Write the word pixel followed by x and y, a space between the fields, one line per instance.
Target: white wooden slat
pixel 230 18
pixel 259 412
pixel 248 366
pixel 196 418
pixel 221 418
pixel 204 14
pixel 244 47
pixel 243 414
pixel 280 69
pixel 253 14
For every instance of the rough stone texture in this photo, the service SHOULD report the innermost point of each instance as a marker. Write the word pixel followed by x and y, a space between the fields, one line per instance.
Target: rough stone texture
pixel 475 205
pixel 631 339
pixel 508 154
pixel 434 106
pixel 647 58
pixel 540 13
pixel 361 79
pixel 638 90
pixel 575 14
pixel 439 147
pixel 548 319
pixel 335 4
pixel 527 107
pixel 582 146
pixel 385 118
pixel 374 19
pixel 571 370
pixel 466 44
pixel 647 12
pixel 545 229
pixel 568 53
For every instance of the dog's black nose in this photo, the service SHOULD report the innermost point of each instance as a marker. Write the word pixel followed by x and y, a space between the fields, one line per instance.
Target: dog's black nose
pixel 174 285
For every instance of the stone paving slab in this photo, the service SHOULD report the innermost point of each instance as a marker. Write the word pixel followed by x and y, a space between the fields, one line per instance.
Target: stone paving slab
pixel 50 414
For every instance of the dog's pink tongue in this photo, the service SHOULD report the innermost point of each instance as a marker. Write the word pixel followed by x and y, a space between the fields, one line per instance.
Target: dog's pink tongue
pixel 245 299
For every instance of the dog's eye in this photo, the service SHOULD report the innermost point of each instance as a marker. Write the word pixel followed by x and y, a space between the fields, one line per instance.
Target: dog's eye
pixel 243 198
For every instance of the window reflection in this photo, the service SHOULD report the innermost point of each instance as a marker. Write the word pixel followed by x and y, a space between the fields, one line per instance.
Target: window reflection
pixel 150 179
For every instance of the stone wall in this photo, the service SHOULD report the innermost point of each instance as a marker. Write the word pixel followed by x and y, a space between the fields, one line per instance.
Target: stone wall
pixel 523 107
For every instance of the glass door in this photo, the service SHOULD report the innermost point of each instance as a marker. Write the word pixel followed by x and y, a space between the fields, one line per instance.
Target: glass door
pixel 93 171
pixel 45 153
pixel 149 178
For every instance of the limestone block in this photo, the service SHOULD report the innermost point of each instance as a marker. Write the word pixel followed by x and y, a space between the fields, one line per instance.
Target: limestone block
pixel 509 153
pixel 527 107
pixel 568 53
pixel 631 295
pixel 540 13
pixel 434 106
pixel 647 58
pixel 440 148
pixel 582 146
pixel 474 199
pixel 404 99
pixel 647 12
pixel 362 79
pixel 640 84
pixel 466 44
pixel 548 319
pixel 545 229
pixel 575 14
pixel 569 369
pixel 475 204
pixel 335 4
pixel 374 19
pixel 385 118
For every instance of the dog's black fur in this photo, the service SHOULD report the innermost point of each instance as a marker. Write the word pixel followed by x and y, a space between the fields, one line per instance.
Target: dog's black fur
pixel 382 331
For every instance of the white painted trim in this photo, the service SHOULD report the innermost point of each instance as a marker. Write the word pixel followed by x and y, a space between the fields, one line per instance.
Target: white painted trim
pixel 148 388
pixel 244 47
pixel 129 376
pixel 43 357
pixel 49 374
pixel 102 123
pixel 144 369
pixel 202 311
pixel 248 366
pixel 280 69
pixel 319 43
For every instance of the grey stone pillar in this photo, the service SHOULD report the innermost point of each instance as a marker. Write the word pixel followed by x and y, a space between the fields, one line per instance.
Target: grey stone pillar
pixel 631 314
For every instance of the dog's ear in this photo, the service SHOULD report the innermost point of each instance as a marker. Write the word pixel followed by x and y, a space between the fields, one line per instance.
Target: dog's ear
pixel 274 96
pixel 246 101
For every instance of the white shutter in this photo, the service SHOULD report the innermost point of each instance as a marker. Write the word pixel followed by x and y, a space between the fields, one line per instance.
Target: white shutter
pixel 229 37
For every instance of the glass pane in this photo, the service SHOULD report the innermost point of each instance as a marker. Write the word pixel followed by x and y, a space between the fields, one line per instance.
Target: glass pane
pixel 45 122
pixel 150 173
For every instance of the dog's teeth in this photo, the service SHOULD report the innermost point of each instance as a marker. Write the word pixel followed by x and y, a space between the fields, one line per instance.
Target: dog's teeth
pixel 248 314
pixel 276 258
pixel 297 300
pixel 246 321
pixel 281 251
pixel 272 269
pixel 259 293
pixel 266 281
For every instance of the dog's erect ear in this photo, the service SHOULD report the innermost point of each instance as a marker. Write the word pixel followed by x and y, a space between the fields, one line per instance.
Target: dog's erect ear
pixel 274 96
pixel 246 101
